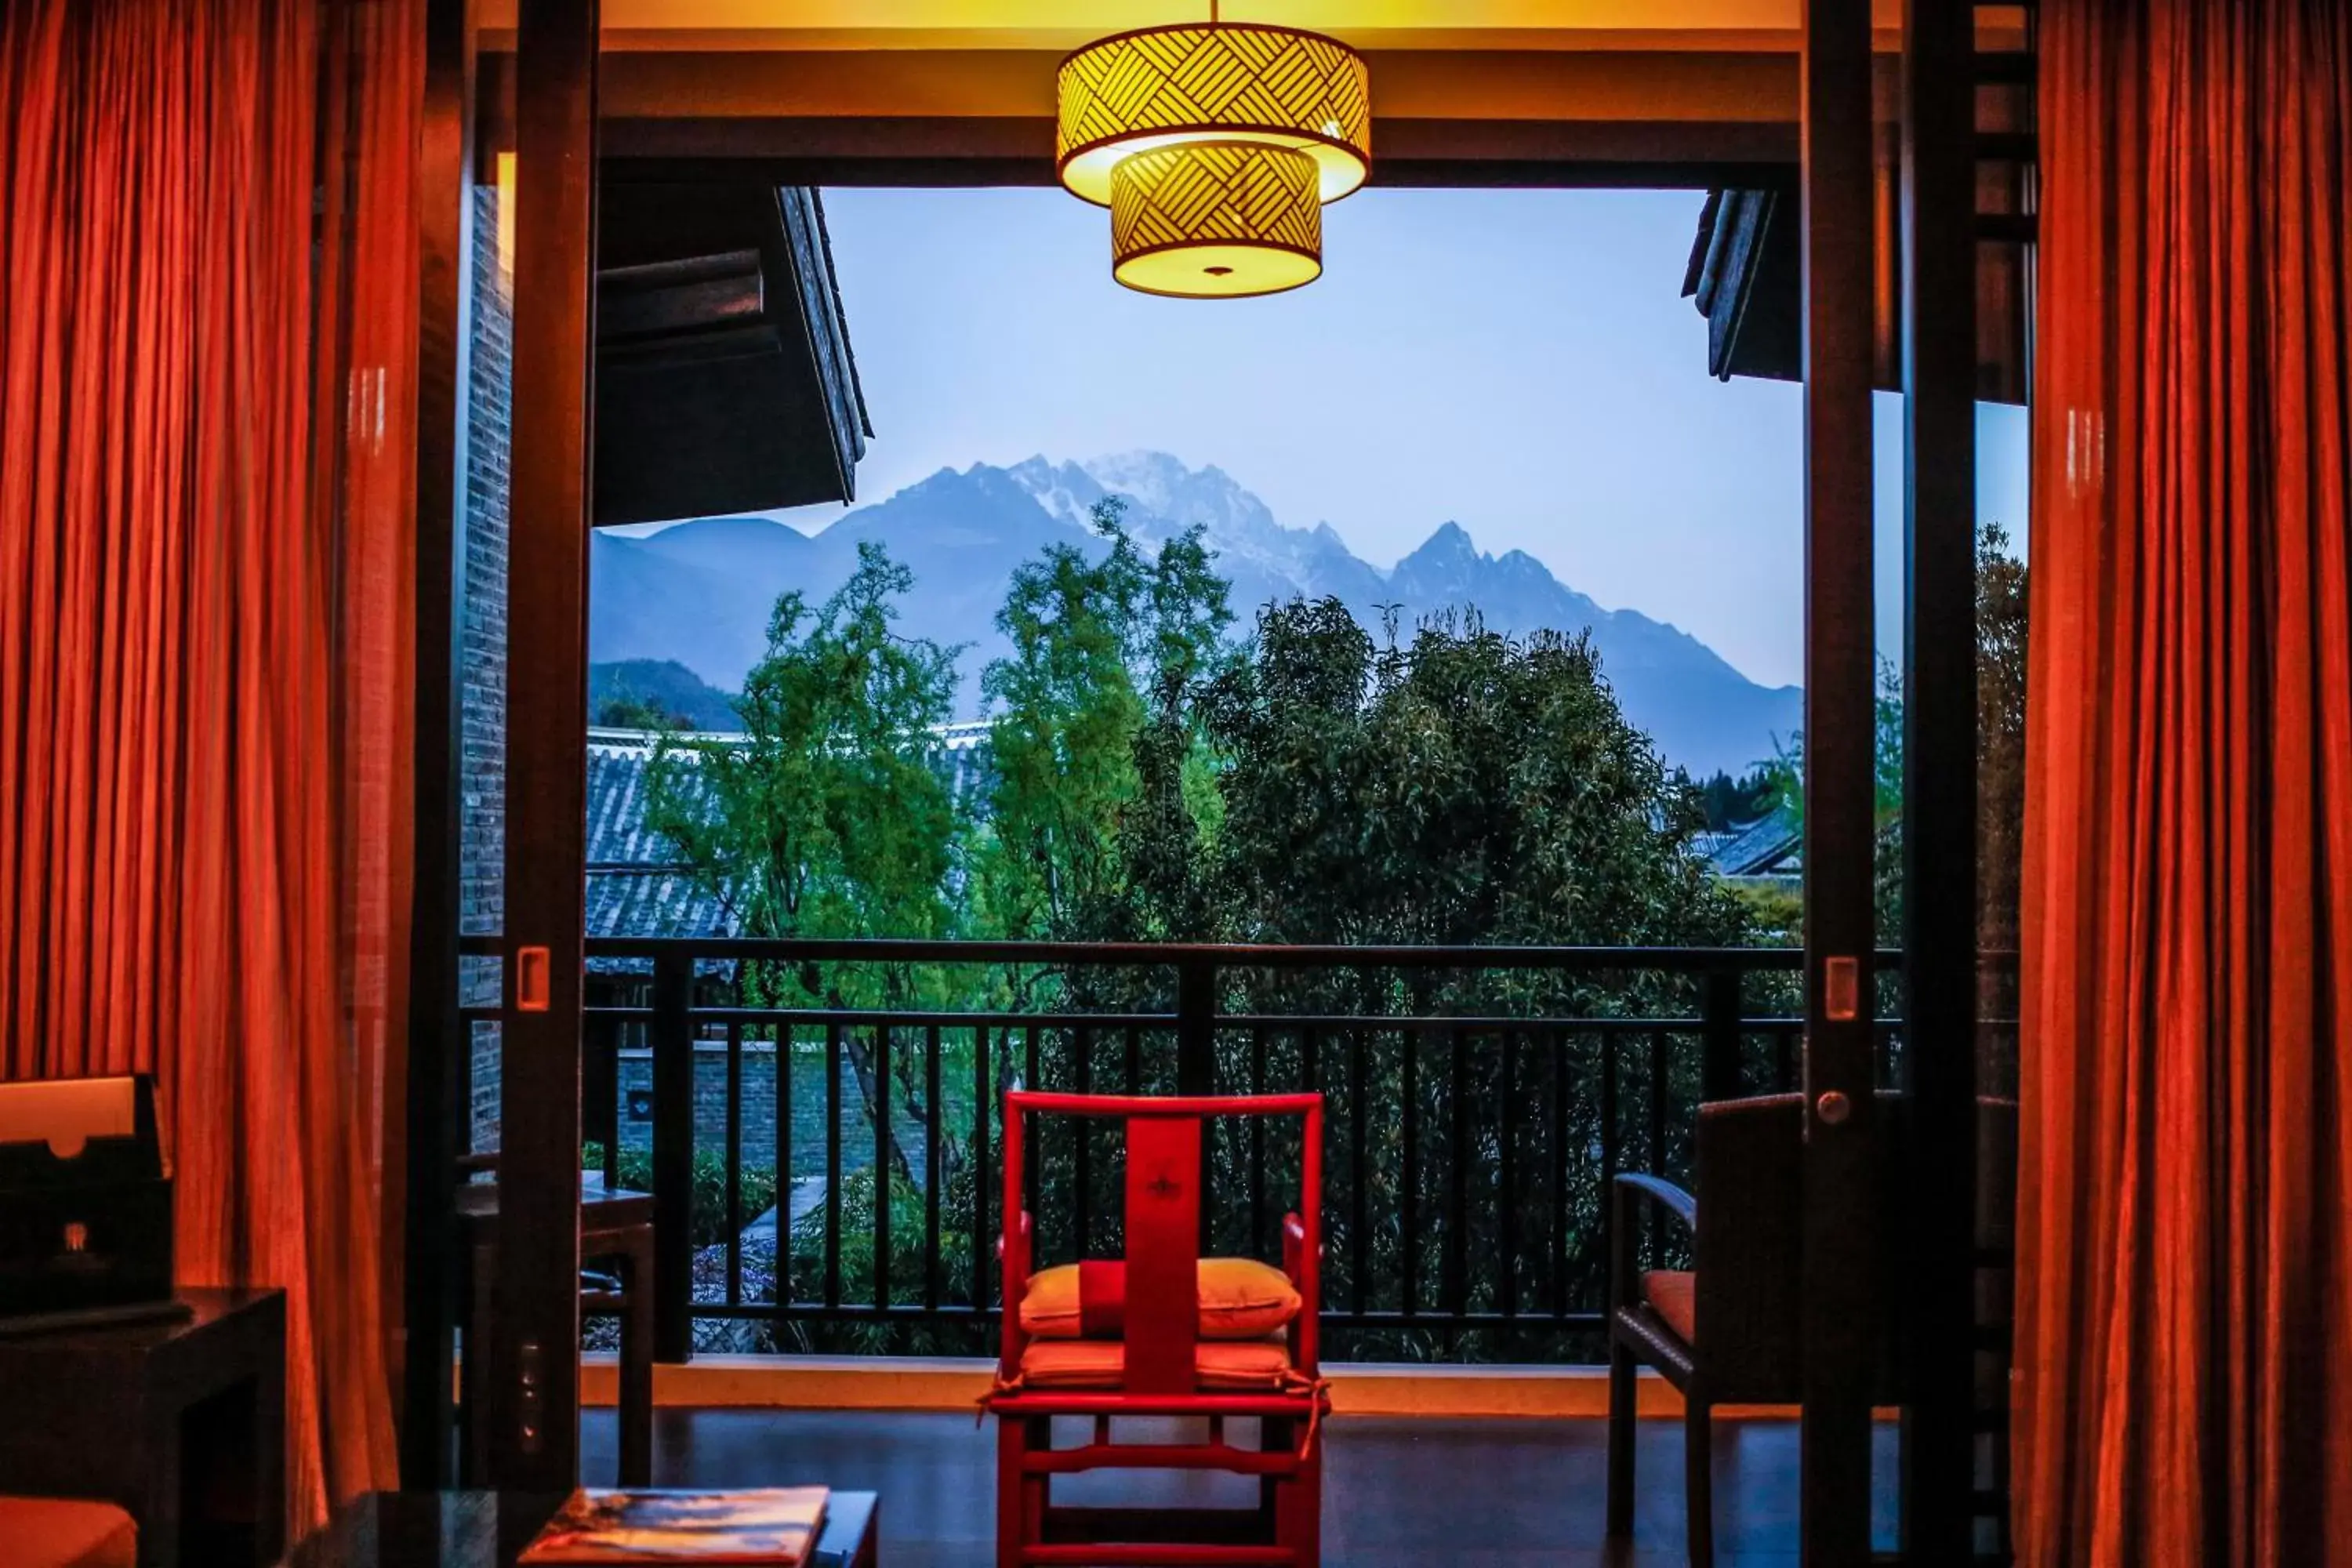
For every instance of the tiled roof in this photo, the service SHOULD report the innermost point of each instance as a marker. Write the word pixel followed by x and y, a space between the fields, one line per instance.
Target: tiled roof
pixel 1768 845
pixel 1705 845
pixel 653 901
pixel 618 836
pixel 637 884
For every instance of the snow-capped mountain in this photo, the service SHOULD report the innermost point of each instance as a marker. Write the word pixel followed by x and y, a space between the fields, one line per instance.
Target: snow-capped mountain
pixel 700 591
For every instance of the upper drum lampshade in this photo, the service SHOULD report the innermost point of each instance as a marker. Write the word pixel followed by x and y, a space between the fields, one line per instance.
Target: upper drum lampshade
pixel 1213 81
pixel 1216 220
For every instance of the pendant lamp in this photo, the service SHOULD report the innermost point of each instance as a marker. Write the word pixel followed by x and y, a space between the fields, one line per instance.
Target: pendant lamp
pixel 1215 220
pixel 1214 145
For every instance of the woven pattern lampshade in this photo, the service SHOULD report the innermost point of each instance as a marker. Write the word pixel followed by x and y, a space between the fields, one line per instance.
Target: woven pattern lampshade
pixel 1216 220
pixel 1213 81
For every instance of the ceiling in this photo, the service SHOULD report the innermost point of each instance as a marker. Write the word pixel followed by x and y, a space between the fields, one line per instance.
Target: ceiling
pixel 1706 25
pixel 850 92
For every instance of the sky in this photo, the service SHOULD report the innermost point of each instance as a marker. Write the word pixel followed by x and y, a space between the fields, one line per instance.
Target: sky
pixel 1518 361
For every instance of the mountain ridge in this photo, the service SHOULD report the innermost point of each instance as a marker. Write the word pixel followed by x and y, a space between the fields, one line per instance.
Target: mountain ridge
pixel 700 592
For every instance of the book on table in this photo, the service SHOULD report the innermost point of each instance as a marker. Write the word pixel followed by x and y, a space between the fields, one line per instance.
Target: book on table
pixel 776 1525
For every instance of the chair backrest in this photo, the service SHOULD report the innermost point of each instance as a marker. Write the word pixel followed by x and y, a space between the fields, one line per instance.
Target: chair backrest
pixel 1749 1253
pixel 1996 1174
pixel 1165 1174
pixel 1996 1240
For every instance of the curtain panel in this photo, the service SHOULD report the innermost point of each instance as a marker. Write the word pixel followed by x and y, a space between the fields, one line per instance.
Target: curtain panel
pixel 207 360
pixel 2184 1350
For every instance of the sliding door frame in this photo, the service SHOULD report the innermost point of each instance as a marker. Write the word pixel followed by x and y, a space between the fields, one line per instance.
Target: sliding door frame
pixel 1937 1249
pixel 534 1381
pixel 434 1111
pixel 1841 1192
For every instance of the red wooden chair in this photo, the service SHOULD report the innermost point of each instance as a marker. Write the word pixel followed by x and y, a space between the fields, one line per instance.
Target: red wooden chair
pixel 1144 1356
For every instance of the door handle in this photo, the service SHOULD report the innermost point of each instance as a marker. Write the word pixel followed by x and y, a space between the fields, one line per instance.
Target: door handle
pixel 534 976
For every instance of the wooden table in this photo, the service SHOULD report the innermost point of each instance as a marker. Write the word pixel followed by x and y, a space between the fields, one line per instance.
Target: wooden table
pixel 615 1224
pixel 155 1415
pixel 487 1530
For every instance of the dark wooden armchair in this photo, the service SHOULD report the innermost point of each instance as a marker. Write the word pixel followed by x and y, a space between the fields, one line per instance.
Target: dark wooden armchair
pixel 1728 1331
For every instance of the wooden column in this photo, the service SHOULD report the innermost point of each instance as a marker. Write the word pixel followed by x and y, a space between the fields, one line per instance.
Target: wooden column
pixel 534 1375
pixel 435 1106
pixel 1839 833
pixel 1939 776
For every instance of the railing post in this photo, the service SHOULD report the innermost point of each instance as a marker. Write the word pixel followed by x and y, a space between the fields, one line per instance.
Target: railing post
pixel 1196 1025
pixel 1196 1062
pixel 600 1092
pixel 1719 1074
pixel 673 1069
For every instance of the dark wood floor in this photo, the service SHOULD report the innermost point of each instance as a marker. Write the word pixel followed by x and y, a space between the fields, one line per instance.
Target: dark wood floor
pixel 1505 1493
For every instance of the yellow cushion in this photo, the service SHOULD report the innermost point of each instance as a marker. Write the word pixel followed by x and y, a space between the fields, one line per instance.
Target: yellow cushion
pixel 1240 1299
pixel 43 1533
pixel 1227 1367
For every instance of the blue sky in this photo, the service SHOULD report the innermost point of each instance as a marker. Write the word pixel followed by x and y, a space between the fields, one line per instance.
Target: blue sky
pixel 1519 362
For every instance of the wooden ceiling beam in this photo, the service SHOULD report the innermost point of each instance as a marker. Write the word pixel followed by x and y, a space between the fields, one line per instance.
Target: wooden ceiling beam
pixel 1410 84
pixel 917 151
pixel 985 116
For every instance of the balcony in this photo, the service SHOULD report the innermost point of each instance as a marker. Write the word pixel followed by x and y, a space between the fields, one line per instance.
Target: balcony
pixel 1480 1102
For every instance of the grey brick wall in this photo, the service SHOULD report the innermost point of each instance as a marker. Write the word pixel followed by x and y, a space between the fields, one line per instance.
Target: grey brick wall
pixel 808 1108
pixel 490 401
pixel 636 1076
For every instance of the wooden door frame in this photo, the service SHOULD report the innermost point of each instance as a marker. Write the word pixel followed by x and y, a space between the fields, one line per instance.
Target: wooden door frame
pixel 1840 1247
pixel 434 1108
pixel 1937 1249
pixel 533 1392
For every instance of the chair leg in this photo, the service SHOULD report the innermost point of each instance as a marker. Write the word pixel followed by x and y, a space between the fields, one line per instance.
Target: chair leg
pixel 1011 1491
pixel 1699 1482
pixel 1621 1438
pixel 1037 1496
pixel 634 1409
pixel 474 1369
pixel 1298 1500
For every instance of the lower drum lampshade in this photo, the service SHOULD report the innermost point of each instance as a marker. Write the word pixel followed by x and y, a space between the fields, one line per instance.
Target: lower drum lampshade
pixel 1216 220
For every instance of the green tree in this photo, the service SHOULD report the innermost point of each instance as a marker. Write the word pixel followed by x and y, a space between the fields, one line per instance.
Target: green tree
pixel 1465 788
pixel 625 709
pixel 1093 737
pixel 2002 581
pixel 1785 774
pixel 2001 735
pixel 831 815
pixel 1731 802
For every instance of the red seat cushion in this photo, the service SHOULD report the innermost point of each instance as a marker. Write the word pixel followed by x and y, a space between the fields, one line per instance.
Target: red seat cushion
pixel 1220 1365
pixel 1672 1294
pixel 41 1532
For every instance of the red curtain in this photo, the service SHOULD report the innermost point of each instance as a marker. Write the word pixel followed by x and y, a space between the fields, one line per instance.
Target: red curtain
pixel 206 409
pixel 2184 1234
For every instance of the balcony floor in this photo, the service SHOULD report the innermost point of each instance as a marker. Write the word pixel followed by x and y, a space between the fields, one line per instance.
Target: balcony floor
pixel 1464 1493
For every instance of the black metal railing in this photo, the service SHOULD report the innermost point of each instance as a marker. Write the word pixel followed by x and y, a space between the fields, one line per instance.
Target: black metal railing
pixel 824 1175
